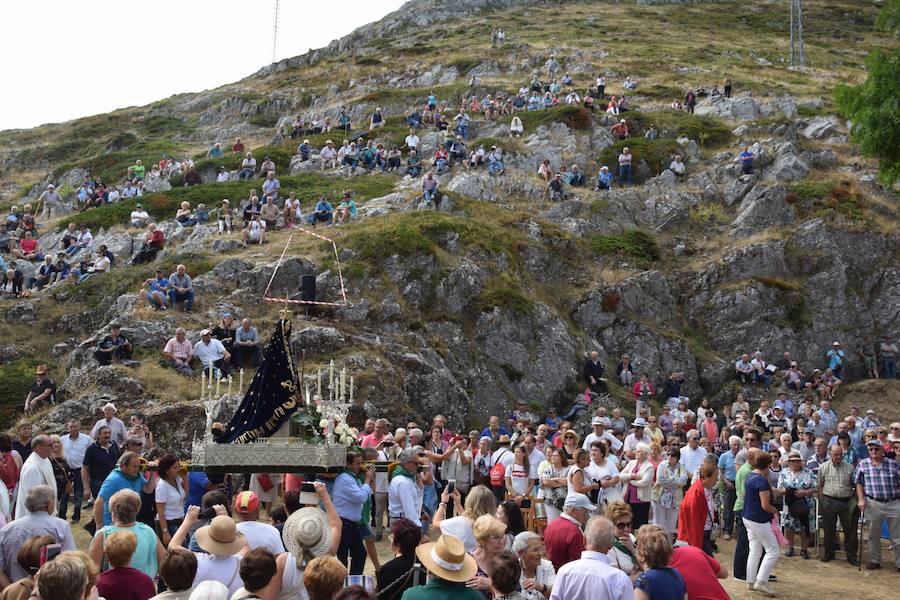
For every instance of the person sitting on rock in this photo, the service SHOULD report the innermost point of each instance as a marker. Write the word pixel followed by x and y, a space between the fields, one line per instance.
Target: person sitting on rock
pixel 412 140
pixel 746 160
pixel 676 104
pixel 43 390
pixel 271 186
pixel 575 177
pixel 43 276
pixel 136 171
pixel 178 353
pixel 534 101
pixel 629 84
pixel 652 133
pixel 476 157
pixel 184 215
pixel 139 217
pixel 495 161
pixel 604 179
pixel 101 264
pixel 624 104
pixel 181 288
pixel 458 150
pixel 677 167
pixel 413 164
pixel 212 355
pixel 346 210
pixel 619 130
pixel 192 177
pixel 291 213
pixel 225 217
pixel 760 370
pixel 554 189
pixel 223 175
pixel 429 187
pixel 12 283
pixel 377 119
pixel 323 213
pixel 414 119
pixel 225 332
pixel 157 293
pixel 625 167
pixel 27 249
pixel 246 344
pixel 393 158
pixel 612 106
pixel 269 213
pixel 441 123
pixel 248 167
pixel 61 268
pixel 6 240
pixel 441 159
pixel 304 151
pixel 129 191
pixel 367 156
pixel 255 231
pixel 589 101
pixel 154 241
pixel 743 369
pixel 328 155
pixel 544 170
pixel 83 240
pixel 215 151
pixel 113 347
pixel 516 129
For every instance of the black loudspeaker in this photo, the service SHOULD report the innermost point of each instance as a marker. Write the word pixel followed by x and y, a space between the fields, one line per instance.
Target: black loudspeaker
pixel 308 288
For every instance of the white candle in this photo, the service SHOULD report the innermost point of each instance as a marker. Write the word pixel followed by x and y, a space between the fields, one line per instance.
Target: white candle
pixel 209 382
pixel 343 384
pixel 318 383
pixel 218 383
pixel 351 389
pixel 202 383
pixel 229 385
pixel 331 379
pixel 241 382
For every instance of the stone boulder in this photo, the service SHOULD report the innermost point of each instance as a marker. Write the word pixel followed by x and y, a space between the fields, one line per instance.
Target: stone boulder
pixel 156 184
pixel 787 167
pixel 473 185
pixel 319 340
pixel 762 208
pixel 740 108
pixel 821 127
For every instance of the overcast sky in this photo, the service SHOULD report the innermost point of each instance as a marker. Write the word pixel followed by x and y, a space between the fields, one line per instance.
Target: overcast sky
pixel 72 58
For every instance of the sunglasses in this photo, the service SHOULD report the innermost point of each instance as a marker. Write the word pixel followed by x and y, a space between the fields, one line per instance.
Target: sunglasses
pixel 625 525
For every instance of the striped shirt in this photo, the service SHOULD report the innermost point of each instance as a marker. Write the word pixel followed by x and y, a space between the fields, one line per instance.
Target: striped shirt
pixel 837 481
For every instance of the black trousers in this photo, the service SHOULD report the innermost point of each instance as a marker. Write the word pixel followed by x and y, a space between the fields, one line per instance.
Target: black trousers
pixel 640 512
pixel 352 547
pixel 834 509
pixel 78 491
pixel 741 549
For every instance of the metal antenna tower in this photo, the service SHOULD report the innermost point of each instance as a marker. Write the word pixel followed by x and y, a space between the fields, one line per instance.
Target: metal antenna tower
pixel 798 54
pixel 275 32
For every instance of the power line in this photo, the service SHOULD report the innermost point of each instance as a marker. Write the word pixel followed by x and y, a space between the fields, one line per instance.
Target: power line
pixel 275 32
pixel 798 54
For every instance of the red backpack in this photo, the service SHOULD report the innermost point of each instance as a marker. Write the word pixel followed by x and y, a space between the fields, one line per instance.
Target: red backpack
pixel 9 471
pixel 498 473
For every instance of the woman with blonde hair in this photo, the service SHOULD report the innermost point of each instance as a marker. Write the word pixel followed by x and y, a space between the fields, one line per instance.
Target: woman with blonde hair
pixel 93 572
pixel 571 442
pixel 60 470
pixel 490 535
pixel 480 501
pixel 658 581
pixel 578 479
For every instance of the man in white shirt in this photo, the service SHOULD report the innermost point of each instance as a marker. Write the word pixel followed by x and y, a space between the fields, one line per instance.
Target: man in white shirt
pixel 139 217
pixel 535 458
pixel 638 436
pixel 74 445
pixel 600 433
pixel 118 433
pixel 223 175
pixel 37 470
pixel 258 535
pixel 591 577
pixel 412 140
pixel 404 495
pixel 693 454
pixel 212 354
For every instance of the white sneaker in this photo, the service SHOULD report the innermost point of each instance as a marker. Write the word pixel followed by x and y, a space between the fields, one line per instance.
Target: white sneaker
pixel 764 588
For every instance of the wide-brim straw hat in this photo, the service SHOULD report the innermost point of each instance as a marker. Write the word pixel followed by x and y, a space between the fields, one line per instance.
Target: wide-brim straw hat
pixel 307 533
pixel 220 537
pixel 447 559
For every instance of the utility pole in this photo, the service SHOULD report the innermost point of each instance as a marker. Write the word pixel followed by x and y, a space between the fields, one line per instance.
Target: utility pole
pixel 798 54
pixel 275 32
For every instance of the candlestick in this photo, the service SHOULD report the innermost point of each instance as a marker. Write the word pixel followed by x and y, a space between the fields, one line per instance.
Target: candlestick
pixel 241 382
pixel 331 379
pixel 202 383
pixel 229 384
pixel 218 383
pixel 210 380
pixel 343 384
pixel 307 395
pixel 351 389
pixel 319 383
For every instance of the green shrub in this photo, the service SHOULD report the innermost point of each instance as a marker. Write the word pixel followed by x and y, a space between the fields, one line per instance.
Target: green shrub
pixel 503 292
pixel 633 243
pixel 166 125
pixel 263 120
pixel 367 61
pixel 576 117
pixel 704 129
pixel 464 64
pixel 656 153
pixel 15 381
pixel 162 205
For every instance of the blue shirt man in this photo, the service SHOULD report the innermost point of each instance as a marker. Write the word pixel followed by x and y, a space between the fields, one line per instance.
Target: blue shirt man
pixel 727 466
pixel 322 213
pixel 786 403
pixel 126 476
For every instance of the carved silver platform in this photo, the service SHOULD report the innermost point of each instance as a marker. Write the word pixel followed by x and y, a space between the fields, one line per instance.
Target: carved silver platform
pixel 268 455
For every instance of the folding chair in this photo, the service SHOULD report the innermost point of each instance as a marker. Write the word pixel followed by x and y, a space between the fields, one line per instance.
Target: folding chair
pixel 539 516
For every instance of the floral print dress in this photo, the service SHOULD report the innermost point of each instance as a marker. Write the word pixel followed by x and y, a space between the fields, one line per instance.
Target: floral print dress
pixel 802 480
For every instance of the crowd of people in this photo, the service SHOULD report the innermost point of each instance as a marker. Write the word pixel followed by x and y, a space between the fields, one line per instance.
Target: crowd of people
pixel 529 507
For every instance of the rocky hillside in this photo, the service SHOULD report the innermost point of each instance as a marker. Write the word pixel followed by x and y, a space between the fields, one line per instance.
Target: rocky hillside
pixel 497 294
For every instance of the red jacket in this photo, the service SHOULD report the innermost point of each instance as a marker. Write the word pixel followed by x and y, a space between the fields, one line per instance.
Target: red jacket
pixel 692 515
pixel 563 542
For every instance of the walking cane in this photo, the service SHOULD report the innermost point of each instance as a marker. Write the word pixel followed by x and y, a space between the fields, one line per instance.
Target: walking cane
pixel 859 537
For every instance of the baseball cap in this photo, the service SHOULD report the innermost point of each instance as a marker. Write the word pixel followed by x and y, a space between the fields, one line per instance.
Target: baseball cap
pixel 246 502
pixel 597 421
pixel 835 343
pixel 576 500
pixel 204 332
pixel 873 442
pixel 808 430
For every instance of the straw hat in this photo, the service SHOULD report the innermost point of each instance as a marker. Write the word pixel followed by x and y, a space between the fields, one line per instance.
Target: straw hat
pixel 220 537
pixel 307 533
pixel 447 559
